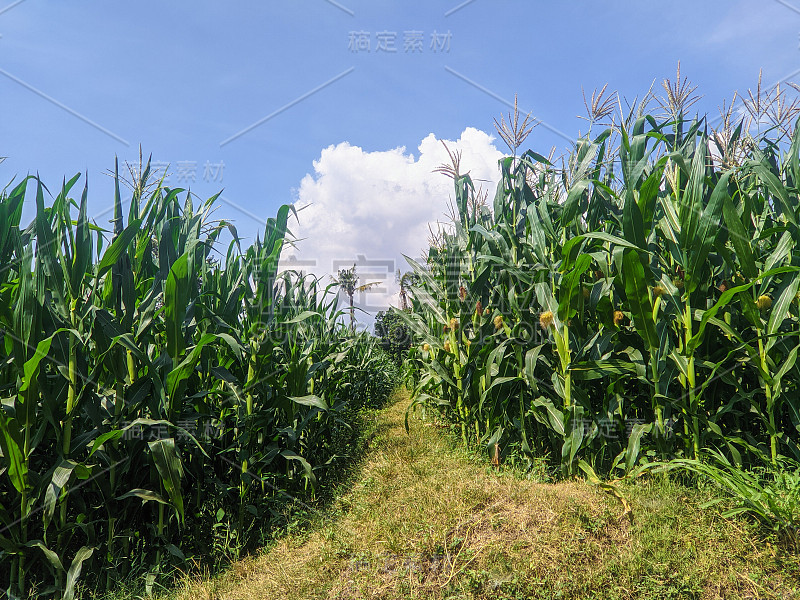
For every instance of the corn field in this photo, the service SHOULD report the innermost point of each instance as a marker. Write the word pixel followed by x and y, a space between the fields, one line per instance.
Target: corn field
pixel 161 401
pixel 636 303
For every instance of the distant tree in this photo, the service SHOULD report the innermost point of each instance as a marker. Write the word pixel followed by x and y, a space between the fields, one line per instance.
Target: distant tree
pixel 406 280
pixel 394 334
pixel 348 283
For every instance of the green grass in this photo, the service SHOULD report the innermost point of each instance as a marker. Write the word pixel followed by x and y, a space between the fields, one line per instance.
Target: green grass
pixel 423 518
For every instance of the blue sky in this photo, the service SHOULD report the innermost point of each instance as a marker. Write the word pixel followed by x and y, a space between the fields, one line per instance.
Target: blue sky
pixel 180 78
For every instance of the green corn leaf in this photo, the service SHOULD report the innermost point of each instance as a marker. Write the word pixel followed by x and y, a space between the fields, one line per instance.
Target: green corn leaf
pixel 165 456
pixel 634 444
pixel 60 478
pixel 612 239
pixel 311 400
pixel 145 496
pixel 778 190
pixel 49 555
pixel 83 245
pixel 576 195
pixel 706 231
pixel 531 360
pixel 47 248
pixel 555 418
pixel 114 434
pixel 11 445
pixel 571 291
pixel 31 368
pixel 638 296
pixel 573 441
pixel 780 307
pixel 709 314
pixel 497 382
pixel 74 572
pixel 304 316
pixel 117 247
pixel 781 251
pixel 740 239
pixel 787 366
pixel 176 300
pixel 494 441
pixel 186 367
pixel 309 473
pixel 691 201
pixel 633 222
pixel 597 369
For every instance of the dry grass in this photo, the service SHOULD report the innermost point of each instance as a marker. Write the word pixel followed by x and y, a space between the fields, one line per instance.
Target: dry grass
pixel 426 520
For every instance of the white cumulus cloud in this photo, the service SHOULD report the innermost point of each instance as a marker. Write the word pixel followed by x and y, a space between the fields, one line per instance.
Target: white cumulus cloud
pixel 370 208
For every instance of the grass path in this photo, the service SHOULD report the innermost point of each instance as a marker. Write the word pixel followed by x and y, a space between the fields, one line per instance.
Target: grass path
pixel 424 519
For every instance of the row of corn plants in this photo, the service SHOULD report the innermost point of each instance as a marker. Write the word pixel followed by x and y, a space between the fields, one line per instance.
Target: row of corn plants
pixel 163 398
pixel 636 303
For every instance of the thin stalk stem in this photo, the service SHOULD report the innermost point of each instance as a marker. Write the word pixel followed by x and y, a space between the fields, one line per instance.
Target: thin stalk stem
pixel 773 433
pixel 691 381
pixel 72 393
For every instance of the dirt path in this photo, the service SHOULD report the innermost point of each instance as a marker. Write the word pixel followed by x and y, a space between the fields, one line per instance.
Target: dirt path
pixel 425 520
